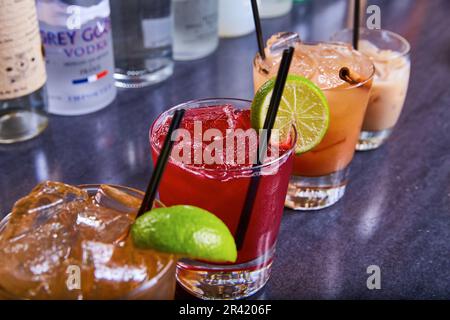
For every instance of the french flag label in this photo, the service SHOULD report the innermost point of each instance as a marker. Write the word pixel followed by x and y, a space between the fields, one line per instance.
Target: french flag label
pixel 91 78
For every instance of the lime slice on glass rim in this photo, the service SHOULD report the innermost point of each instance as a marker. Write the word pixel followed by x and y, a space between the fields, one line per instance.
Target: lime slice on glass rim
pixel 187 231
pixel 302 104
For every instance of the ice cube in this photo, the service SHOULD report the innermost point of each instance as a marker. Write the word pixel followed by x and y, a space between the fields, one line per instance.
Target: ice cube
pixel 304 63
pixel 39 239
pixel 111 271
pixel 102 224
pixel 223 119
pixel 281 41
pixel 110 197
pixel 44 201
pixel 30 263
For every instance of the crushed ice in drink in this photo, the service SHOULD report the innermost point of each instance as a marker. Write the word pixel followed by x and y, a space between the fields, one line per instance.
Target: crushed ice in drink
pixel 318 62
pixel 235 142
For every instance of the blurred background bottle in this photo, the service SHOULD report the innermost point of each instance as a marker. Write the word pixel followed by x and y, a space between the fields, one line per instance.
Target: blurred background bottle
pixel 351 12
pixel 142 42
pixel 22 73
pixel 274 8
pixel 79 54
pixel 235 18
pixel 195 28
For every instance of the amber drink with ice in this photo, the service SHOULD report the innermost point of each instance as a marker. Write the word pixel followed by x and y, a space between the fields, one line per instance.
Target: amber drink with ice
pixel 66 242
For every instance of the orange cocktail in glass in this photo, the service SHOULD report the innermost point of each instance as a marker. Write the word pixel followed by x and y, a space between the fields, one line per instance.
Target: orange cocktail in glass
pixel 320 175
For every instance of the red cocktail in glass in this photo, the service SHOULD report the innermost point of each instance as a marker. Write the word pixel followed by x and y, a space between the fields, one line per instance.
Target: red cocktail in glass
pixel 221 188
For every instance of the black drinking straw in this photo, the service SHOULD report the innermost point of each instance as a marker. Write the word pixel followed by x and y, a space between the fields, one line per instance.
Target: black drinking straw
pixel 161 163
pixel 262 148
pixel 258 29
pixel 356 21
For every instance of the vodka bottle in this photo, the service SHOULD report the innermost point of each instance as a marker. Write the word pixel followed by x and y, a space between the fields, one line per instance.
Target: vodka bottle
pixel 22 72
pixel 235 18
pixel 142 41
pixel 80 63
pixel 195 28
pixel 274 8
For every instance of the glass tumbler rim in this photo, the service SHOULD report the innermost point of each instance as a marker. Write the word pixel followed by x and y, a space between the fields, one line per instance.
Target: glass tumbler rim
pixel 405 43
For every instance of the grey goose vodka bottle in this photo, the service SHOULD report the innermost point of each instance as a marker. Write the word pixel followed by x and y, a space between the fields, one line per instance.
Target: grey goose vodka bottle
pixel 79 54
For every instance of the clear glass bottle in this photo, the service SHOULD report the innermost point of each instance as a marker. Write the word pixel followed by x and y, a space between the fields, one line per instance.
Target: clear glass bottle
pixel 235 18
pixel 195 28
pixel 23 100
pixel 142 42
pixel 79 54
pixel 274 8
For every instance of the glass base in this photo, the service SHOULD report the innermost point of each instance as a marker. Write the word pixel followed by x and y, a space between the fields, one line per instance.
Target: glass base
pixel 314 193
pixel 21 125
pixel 224 282
pixel 142 78
pixel 370 140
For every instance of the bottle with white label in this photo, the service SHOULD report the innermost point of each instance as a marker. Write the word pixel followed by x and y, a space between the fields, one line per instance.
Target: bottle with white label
pixel 79 54
pixel 142 42
pixel 23 96
pixel 274 8
pixel 195 28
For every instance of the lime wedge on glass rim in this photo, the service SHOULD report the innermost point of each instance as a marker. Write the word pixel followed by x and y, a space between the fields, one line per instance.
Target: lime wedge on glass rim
pixel 302 104
pixel 186 231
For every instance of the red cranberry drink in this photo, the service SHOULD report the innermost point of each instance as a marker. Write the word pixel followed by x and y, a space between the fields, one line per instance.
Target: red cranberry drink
pixel 212 168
